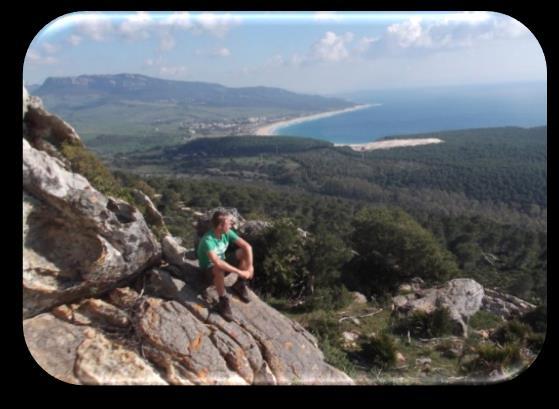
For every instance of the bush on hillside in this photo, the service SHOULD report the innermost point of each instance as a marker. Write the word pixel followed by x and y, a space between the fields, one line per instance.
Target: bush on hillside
pixel 87 164
pixel 423 325
pixel 327 331
pixel 329 298
pixel 511 332
pixel 536 319
pixel 484 320
pixel 392 248
pixel 493 357
pixel 379 351
pixel 280 260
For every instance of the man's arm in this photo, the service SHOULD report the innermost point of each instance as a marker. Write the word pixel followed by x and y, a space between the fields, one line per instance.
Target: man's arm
pixel 248 250
pixel 243 244
pixel 223 265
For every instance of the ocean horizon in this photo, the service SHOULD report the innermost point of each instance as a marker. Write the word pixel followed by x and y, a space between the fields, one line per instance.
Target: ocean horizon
pixel 412 111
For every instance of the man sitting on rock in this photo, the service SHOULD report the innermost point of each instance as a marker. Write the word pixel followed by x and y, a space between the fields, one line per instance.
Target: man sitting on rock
pixel 212 259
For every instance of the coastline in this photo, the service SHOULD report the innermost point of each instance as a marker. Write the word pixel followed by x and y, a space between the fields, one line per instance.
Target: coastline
pixel 271 129
pixel 391 143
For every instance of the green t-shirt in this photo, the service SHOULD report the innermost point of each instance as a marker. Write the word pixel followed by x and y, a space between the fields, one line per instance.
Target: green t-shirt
pixel 210 242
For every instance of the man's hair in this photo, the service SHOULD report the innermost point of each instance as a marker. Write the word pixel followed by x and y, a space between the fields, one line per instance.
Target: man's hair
pixel 219 217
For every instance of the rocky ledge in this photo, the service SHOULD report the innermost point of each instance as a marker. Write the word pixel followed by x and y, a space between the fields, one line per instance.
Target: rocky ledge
pixel 105 302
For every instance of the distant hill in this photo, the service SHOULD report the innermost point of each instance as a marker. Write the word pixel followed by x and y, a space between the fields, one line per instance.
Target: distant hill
pixel 134 87
pixel 127 112
pixel 31 88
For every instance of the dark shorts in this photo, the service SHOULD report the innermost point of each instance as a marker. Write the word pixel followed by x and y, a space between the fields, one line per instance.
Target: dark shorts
pixel 230 258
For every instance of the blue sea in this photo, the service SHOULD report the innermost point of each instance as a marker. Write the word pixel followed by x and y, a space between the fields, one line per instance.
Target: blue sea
pixel 404 112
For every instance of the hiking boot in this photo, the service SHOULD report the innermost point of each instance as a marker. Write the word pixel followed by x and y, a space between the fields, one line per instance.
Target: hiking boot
pixel 224 309
pixel 241 289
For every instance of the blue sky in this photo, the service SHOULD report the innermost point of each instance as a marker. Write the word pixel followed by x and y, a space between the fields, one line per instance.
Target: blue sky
pixel 313 52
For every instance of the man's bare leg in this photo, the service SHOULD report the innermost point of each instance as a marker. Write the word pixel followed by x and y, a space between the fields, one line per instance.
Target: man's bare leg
pixel 245 260
pixel 219 280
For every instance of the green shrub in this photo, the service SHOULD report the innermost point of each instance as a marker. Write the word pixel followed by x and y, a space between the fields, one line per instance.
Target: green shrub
pixel 494 357
pixel 423 325
pixel 324 327
pixel 327 331
pixel 392 248
pixel 535 342
pixel 337 357
pixel 329 299
pixel 484 320
pixel 450 348
pixel 511 332
pixel 379 351
pixel 101 178
pixel 281 261
pixel 536 319
pixel 87 164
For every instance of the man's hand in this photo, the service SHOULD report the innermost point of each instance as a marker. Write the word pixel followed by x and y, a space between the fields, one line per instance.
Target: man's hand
pixel 247 274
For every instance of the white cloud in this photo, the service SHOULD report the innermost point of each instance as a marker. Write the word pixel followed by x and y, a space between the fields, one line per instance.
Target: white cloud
pixel 166 42
pixel 326 16
pixel 217 24
pixel 511 28
pixel 456 30
pixel 99 26
pixel 408 33
pixel 36 58
pixel 179 19
pixel 222 52
pixel 50 48
pixel 32 56
pixel 74 39
pixel 275 61
pixel 136 26
pixel 331 47
pixel 297 59
pixel 365 43
pixel 172 71
pixel 92 24
pixel 151 62
pixel 470 17
pixel 218 52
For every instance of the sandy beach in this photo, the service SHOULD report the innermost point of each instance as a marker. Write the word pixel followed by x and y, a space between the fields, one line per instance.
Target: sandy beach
pixel 393 143
pixel 270 129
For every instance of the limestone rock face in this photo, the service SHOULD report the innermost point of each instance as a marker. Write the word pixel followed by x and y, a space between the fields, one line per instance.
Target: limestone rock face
pixel 171 334
pixel 174 252
pixel 153 217
pixel 504 305
pixel 358 298
pixel 105 303
pixel 53 344
pixel 42 125
pixel 25 101
pixel 462 297
pixel 76 241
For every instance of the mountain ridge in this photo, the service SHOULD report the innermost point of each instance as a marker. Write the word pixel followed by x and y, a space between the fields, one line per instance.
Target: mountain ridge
pixel 151 88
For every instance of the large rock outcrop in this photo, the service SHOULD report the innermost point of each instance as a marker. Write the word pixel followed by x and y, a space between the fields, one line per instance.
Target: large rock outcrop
pixel 462 297
pixel 105 303
pixel 76 241
pixel 168 333
pixel 504 305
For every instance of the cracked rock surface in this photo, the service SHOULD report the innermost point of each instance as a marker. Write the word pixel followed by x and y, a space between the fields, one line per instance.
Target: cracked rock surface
pixel 128 338
pixel 104 302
